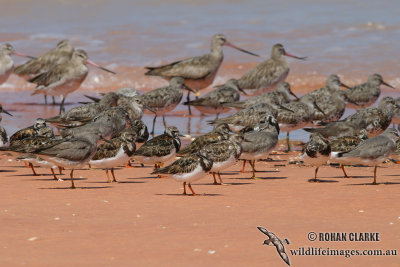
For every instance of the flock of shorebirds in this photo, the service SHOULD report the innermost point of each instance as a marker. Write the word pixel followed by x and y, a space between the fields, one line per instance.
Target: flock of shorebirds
pixel 105 132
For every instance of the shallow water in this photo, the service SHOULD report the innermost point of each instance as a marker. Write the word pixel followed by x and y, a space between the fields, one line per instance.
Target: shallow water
pixel 350 38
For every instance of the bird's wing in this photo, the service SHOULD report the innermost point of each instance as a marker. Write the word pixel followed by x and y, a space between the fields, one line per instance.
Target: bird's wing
pixel 107 150
pixel 191 68
pixel 54 76
pixel 198 143
pixel 372 148
pixel 254 141
pixel 158 146
pixel 261 75
pixel 157 98
pixel 218 152
pixel 183 165
pixel 73 150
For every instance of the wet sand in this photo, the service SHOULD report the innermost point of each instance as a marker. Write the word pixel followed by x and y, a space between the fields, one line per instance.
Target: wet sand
pixel 144 220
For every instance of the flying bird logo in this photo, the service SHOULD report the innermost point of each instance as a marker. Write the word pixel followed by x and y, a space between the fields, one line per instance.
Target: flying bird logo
pixel 273 240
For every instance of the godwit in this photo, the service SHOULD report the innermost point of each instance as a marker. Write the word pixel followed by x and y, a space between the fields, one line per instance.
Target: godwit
pixel 364 95
pixel 65 78
pixel 44 63
pixel 3 133
pixel 198 72
pixel 265 76
pixel 6 62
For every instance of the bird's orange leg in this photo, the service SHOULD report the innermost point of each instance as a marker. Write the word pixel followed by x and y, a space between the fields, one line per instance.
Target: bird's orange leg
pixel 191 189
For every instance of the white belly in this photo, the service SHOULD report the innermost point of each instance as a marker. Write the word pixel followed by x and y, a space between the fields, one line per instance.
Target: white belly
pixel 219 166
pixel 120 158
pixel 197 174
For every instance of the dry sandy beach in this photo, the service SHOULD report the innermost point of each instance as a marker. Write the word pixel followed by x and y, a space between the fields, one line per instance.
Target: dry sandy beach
pixel 144 220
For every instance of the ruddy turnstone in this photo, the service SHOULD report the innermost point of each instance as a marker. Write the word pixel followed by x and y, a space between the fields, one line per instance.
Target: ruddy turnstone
pixel 346 144
pixel 59 55
pixel 115 153
pixel 219 133
pixel 64 78
pixel 316 152
pixel 224 154
pixel 161 149
pixel 188 169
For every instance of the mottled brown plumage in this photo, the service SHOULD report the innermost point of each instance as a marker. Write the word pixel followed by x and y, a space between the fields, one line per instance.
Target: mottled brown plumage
pixel 164 99
pixel 364 95
pixel 279 96
pixel 64 78
pixel 114 153
pixel 59 55
pixel 214 102
pixel 221 132
pixel 188 169
pixel 161 148
pixel 375 120
pixel 247 117
pixel 83 114
pixel 348 143
pixel 265 76
pixel 224 154
pixel 38 129
pixel 316 152
pixel 198 72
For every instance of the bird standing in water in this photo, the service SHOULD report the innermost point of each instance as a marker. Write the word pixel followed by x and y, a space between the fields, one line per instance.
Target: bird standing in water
pixel 198 72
